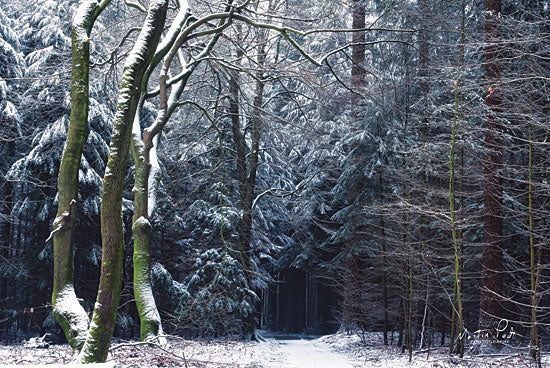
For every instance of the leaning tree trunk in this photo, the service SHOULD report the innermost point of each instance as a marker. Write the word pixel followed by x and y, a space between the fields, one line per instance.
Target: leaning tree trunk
pixel 99 335
pixel 68 312
pixel 491 260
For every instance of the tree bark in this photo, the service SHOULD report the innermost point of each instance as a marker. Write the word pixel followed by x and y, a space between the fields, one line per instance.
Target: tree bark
pixel 144 152
pixel 6 223
pixel 68 312
pixel 357 60
pixel 384 252
pixel 249 326
pixel 150 322
pixel 350 310
pixel 246 171
pixel 99 336
pixel 457 297
pixel 491 259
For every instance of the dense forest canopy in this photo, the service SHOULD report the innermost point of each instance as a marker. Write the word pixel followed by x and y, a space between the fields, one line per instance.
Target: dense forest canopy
pixel 299 166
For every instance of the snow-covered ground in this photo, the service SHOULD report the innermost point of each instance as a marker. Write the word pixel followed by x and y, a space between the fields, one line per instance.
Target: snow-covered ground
pixel 278 351
pixel 298 351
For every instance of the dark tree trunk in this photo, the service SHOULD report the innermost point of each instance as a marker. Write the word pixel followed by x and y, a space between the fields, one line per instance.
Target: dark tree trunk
pixel 6 222
pixel 246 169
pixel 357 60
pixel 491 279
pixel 350 282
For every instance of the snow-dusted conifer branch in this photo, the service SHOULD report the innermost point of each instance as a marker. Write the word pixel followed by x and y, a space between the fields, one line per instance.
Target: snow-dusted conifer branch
pixel 67 310
pixel 101 329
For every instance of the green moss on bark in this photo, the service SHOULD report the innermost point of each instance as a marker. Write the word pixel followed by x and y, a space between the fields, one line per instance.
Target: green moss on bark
pixel 67 311
pixel 98 341
pixel 150 323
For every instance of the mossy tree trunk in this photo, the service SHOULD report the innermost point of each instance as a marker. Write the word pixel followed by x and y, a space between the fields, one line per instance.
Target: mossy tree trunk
pixel 150 323
pixel 145 186
pixel 147 177
pixel 144 153
pixel 101 329
pixel 68 312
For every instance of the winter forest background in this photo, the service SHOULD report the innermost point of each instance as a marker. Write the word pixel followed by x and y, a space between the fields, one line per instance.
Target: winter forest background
pixel 401 185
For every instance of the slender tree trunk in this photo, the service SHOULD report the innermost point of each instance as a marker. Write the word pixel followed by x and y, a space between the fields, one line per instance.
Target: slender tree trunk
pixel 457 297
pixel 249 326
pixel 534 344
pixel 425 317
pixel 410 287
pixel 357 60
pixel 150 322
pixel 247 169
pixel 423 59
pixel 6 221
pixel 99 336
pixel 384 278
pixel 68 312
pixel 384 252
pixel 534 339
pixel 491 259
pixel 245 222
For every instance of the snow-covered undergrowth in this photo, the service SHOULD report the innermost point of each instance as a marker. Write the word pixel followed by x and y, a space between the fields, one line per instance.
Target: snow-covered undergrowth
pixel 371 352
pixel 270 354
pixel 180 353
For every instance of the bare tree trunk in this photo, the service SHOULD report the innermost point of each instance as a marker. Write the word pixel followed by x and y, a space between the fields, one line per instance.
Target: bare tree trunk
pixel 384 275
pixel 6 224
pixel 534 344
pixel 457 297
pixel 350 310
pixel 357 60
pixel 491 260
pixel 68 312
pixel 249 186
pixel 99 335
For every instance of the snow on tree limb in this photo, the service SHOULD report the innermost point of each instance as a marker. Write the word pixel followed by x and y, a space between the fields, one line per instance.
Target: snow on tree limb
pixel 99 336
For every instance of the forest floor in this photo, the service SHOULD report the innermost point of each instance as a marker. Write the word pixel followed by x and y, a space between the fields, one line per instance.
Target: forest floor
pixel 278 351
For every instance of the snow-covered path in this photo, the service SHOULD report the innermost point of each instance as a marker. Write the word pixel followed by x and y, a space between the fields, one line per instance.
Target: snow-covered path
pixel 299 352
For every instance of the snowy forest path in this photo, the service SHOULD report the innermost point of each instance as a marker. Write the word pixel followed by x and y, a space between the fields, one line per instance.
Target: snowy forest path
pixel 303 351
